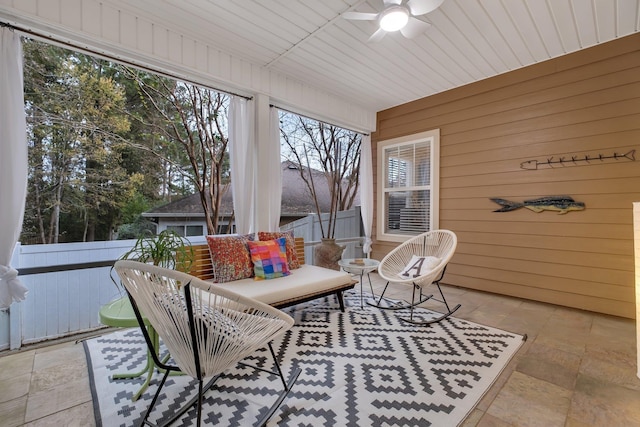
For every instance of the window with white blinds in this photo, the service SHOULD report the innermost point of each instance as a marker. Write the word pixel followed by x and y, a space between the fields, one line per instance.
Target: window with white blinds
pixel 408 167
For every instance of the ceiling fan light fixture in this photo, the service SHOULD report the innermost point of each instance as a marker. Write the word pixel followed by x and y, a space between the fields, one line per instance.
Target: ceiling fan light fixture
pixel 394 18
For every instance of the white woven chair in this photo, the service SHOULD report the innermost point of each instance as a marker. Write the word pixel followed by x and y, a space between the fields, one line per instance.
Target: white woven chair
pixel 207 329
pixel 435 248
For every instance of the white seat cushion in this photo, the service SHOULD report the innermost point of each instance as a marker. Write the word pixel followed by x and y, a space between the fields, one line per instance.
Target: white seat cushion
pixel 305 280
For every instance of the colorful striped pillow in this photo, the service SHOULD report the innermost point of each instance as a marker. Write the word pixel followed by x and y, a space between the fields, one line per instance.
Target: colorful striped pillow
pixel 269 258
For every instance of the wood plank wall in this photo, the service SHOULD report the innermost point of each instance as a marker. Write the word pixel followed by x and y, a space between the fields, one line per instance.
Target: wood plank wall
pixel 585 103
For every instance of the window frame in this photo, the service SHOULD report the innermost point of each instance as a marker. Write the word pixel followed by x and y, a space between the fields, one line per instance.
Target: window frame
pixel 431 136
pixel 175 225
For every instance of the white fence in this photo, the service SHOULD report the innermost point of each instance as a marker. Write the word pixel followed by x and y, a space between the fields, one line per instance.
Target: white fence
pixel 67 302
pixel 348 232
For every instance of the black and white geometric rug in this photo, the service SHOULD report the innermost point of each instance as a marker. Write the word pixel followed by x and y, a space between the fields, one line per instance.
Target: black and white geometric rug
pixel 363 367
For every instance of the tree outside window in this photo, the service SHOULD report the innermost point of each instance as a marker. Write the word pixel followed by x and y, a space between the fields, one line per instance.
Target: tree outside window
pixel 328 158
pixel 108 142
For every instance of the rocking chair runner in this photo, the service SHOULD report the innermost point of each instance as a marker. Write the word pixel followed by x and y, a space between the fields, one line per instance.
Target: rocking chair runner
pixel 207 329
pixel 419 262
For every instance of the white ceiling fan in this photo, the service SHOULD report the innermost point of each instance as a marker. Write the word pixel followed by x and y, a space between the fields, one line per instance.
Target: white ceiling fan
pixel 398 16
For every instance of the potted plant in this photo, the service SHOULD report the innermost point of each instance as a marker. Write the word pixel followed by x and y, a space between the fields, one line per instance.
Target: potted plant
pixel 167 249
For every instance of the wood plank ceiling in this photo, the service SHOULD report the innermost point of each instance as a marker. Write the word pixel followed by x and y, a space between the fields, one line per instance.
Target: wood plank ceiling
pixel 469 40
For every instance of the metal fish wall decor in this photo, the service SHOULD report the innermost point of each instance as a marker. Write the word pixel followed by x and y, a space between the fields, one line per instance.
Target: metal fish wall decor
pixel 576 160
pixel 560 204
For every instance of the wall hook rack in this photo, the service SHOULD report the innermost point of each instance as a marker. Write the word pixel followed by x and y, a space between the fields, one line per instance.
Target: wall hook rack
pixel 576 160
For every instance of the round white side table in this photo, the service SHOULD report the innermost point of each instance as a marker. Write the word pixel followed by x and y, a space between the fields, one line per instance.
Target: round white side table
pixel 360 266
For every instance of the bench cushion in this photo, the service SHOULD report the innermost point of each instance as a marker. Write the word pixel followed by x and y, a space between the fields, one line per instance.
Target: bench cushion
pixel 306 280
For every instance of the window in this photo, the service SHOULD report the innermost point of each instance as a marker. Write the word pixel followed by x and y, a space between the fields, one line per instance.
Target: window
pixel 408 195
pixel 99 158
pixel 187 230
pixel 195 230
pixel 178 229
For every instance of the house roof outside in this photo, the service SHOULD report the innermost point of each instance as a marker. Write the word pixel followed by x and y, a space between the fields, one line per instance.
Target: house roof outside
pixel 296 198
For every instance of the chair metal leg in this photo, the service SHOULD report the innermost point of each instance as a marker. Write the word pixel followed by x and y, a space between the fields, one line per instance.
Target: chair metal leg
pixel 420 300
pixel 145 419
pixel 377 304
pixel 437 319
pixel 373 294
pixel 195 400
pixel 397 305
pixel 283 394
pixel 199 403
pixel 413 299
pixel 204 388
pixel 153 342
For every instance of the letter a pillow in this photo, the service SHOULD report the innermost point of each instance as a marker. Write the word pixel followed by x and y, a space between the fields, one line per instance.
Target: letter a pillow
pixel 419 266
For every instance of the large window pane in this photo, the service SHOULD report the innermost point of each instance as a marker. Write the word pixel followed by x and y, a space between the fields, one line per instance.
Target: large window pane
pixel 422 162
pixel 410 185
pixel 195 230
pixel 178 229
pixel 407 212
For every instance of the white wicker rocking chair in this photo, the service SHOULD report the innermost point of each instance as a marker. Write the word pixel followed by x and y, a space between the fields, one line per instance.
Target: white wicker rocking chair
pixel 434 247
pixel 207 329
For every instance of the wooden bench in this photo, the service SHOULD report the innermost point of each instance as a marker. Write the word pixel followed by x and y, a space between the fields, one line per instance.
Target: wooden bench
pixel 305 283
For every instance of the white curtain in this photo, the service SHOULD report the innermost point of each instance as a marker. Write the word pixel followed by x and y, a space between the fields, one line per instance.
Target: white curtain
pixel 13 163
pixel 242 167
pixel 274 171
pixel 366 191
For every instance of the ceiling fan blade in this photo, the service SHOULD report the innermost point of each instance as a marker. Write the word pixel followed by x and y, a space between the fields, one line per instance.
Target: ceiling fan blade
pixel 421 7
pixel 360 16
pixel 377 36
pixel 414 28
pixel 388 3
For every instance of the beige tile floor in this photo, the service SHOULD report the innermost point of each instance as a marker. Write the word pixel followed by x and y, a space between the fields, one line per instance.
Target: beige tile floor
pixel 576 369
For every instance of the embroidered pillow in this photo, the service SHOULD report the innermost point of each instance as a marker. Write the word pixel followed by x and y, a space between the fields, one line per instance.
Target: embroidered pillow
pixel 230 257
pixel 269 258
pixel 419 266
pixel 292 256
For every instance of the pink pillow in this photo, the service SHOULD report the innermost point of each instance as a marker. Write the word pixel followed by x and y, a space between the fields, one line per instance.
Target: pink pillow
pixel 269 259
pixel 230 257
pixel 292 256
